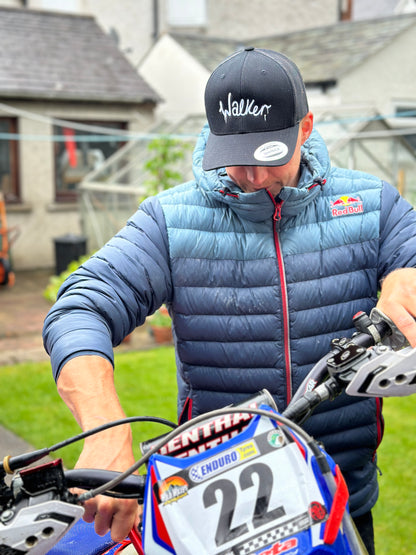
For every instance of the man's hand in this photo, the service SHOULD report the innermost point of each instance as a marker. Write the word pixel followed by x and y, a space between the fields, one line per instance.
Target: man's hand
pixel 86 385
pixel 110 450
pixel 398 301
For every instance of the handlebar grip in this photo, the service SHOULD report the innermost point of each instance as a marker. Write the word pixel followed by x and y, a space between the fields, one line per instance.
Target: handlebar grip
pixel 90 478
pixel 371 329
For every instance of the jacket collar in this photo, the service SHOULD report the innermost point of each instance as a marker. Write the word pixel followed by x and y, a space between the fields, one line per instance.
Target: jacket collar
pixel 259 206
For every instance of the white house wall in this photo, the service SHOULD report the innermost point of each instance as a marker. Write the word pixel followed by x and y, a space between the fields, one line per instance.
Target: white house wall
pixel 385 78
pixel 177 77
pixel 256 18
pixel 39 218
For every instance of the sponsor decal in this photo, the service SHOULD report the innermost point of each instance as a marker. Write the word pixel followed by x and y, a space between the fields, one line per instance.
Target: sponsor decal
pixel 171 489
pixel 210 467
pixel 243 107
pixel 247 450
pixel 310 386
pixel 317 511
pixel 280 547
pixel 206 436
pixel 276 438
pixel 346 205
pixel 273 150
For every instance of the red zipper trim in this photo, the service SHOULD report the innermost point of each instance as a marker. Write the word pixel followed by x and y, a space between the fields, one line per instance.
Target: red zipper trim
pixel 285 304
pixel 318 181
pixel 186 413
pixel 380 423
pixel 228 193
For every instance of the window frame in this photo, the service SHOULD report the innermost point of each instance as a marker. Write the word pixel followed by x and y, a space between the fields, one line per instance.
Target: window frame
pixel 408 120
pixel 14 196
pixel 71 196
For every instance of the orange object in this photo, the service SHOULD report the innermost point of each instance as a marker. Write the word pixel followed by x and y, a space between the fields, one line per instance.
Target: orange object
pixel 7 276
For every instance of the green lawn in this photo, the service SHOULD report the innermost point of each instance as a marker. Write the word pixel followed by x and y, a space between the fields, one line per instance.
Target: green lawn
pixel 394 512
pixel 146 381
pixel 31 407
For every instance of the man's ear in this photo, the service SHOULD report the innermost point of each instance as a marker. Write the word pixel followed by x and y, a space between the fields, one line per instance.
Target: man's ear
pixel 306 126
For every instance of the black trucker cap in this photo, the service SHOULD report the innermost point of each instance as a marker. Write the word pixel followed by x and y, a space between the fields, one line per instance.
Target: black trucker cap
pixel 254 101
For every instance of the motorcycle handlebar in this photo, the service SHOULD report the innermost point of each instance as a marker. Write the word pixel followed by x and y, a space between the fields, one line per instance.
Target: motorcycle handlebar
pixel 369 332
pixel 90 478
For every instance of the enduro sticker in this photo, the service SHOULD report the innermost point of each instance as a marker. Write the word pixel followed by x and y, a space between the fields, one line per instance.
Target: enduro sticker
pixel 214 465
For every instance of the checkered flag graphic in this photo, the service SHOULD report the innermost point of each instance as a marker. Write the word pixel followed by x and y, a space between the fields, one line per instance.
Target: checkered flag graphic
pixel 287 529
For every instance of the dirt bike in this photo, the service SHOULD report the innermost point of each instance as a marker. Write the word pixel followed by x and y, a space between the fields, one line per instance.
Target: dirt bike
pixel 240 480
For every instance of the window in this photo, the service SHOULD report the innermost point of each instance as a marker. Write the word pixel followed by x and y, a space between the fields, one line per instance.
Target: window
pixel 407 116
pixel 183 13
pixel 9 182
pixel 75 158
pixel 61 5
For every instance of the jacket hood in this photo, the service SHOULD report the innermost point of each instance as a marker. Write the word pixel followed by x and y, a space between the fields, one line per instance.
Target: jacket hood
pixel 259 206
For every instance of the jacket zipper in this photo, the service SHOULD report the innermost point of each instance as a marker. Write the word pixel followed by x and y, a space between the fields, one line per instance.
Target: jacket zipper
pixel 277 216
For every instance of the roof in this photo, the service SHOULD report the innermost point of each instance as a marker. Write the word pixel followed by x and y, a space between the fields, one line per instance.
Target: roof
pixel 64 57
pixel 323 54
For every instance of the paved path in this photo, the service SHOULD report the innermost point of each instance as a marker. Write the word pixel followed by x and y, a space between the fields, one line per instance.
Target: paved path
pixel 22 312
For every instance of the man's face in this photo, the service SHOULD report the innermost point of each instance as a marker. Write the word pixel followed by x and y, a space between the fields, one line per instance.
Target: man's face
pixel 254 178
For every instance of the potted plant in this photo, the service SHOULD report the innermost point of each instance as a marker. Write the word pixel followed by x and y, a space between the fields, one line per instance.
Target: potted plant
pixel 161 325
pixel 164 164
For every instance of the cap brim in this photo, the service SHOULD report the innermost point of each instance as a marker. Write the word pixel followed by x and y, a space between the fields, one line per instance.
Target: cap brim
pixel 273 148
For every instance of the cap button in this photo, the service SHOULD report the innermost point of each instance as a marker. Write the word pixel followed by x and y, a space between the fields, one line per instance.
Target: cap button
pixel 248 48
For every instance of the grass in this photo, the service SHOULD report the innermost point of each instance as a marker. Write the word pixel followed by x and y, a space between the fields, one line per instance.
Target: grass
pixel 31 407
pixel 394 512
pixel 146 381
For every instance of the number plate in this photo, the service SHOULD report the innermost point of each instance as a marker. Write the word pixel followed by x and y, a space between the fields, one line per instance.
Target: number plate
pixel 255 490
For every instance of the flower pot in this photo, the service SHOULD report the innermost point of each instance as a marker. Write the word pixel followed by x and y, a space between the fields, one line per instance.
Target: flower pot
pixel 162 334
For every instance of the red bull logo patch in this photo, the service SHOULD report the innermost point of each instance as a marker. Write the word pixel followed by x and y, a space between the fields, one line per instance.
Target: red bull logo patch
pixel 346 205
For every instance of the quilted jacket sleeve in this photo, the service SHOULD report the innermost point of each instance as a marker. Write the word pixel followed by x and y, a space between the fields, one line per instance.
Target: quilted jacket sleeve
pixel 113 292
pixel 397 232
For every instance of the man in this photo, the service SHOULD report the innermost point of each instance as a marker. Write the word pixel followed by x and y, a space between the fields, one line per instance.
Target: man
pixel 262 260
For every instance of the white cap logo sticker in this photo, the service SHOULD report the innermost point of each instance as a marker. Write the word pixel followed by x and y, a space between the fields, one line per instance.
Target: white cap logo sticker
pixel 273 150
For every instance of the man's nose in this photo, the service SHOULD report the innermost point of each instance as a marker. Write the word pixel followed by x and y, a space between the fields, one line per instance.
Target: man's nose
pixel 256 175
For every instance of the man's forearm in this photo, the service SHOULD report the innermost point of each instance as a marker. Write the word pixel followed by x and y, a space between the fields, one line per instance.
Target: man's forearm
pixel 86 385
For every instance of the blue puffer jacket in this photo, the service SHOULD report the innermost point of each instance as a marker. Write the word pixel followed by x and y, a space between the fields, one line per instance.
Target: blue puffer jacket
pixel 257 288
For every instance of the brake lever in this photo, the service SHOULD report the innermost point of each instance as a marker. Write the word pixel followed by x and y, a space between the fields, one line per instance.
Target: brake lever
pixel 40 511
pixel 379 371
pixel 387 373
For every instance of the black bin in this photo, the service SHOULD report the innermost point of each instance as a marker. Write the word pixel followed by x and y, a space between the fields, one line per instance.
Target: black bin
pixel 68 248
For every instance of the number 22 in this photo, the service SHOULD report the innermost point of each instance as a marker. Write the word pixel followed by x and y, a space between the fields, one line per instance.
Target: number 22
pixel 261 514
